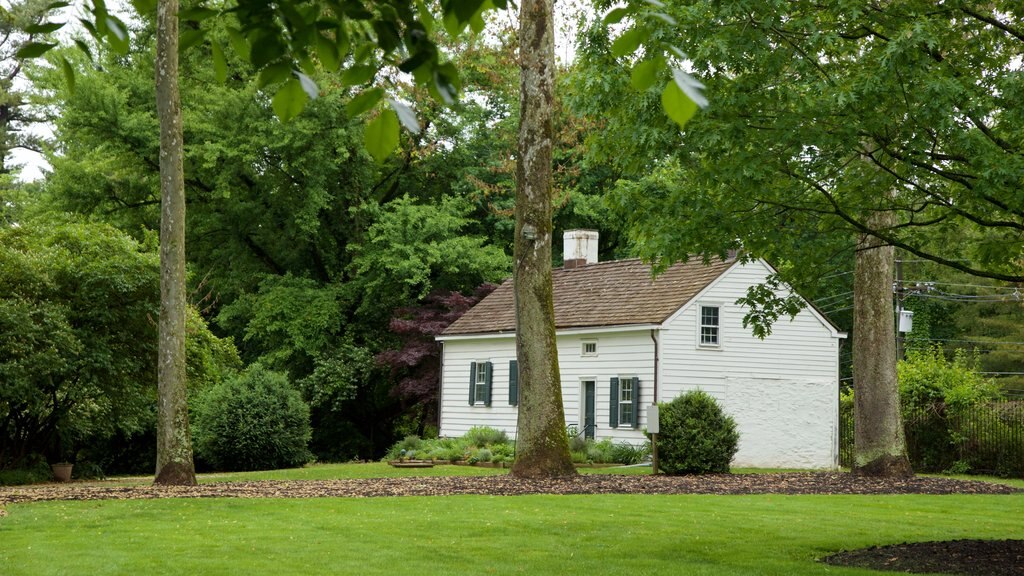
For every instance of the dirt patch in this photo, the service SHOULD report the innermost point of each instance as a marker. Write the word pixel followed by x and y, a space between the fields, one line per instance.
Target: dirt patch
pixel 966 557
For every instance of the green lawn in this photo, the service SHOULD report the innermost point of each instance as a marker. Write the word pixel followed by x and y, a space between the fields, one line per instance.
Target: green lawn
pixel 424 536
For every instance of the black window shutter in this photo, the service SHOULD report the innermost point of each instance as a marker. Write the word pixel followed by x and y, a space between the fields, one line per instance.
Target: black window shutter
pixel 613 406
pixel 472 383
pixel 489 372
pixel 636 403
pixel 513 383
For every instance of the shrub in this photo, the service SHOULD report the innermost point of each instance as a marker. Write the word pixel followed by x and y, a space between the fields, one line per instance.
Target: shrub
pixel 503 453
pixel 578 442
pixel 481 436
pixel 601 452
pixel 696 436
pixel 36 470
pixel 626 453
pixel 927 378
pixel 253 421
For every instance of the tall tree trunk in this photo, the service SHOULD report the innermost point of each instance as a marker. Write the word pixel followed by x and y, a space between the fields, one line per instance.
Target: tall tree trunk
pixel 542 448
pixel 173 443
pixel 879 445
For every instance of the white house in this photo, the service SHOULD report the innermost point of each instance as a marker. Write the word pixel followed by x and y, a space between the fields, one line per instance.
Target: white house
pixel 626 341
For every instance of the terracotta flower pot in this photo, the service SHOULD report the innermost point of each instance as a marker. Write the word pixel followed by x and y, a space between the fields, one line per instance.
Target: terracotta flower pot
pixel 61 471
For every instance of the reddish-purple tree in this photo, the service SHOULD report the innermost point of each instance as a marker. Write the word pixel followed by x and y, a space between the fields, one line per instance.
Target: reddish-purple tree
pixel 416 365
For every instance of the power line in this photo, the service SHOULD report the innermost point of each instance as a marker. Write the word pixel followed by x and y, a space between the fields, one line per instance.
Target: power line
pixel 994 342
pixel 938 283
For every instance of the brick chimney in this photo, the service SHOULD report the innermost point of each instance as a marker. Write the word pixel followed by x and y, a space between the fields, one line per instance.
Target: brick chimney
pixel 579 248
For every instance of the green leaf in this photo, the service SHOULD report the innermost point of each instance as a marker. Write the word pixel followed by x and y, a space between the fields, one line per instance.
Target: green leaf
pixel 189 38
pixel 690 86
pixel 220 63
pixel 616 16
pixel 364 101
pixel 34 50
pixel 645 74
pixel 84 48
pixel 629 41
pixel 238 43
pixel 69 74
pixel 416 60
pixel 381 135
pixel 308 86
pixel 387 36
pixel 426 17
pixel 445 79
pixel 56 5
pixel 197 14
pixel 357 75
pixel 465 9
pixel 405 115
pixel 265 48
pixel 144 6
pixel 664 18
pixel 453 25
pixel 677 105
pixel 117 34
pixel 327 51
pixel 289 100
pixel 44 27
pixel 273 74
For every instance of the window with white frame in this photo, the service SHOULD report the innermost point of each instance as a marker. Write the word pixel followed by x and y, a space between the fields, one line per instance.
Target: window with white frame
pixel 481 375
pixel 624 411
pixel 481 383
pixel 627 403
pixel 710 326
pixel 589 348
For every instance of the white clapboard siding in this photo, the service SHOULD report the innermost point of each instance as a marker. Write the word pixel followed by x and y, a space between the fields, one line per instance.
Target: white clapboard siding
pixel 782 391
pixel 619 354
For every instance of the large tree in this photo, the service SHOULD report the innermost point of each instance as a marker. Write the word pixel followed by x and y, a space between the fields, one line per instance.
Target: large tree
pixel 824 116
pixel 174 464
pixel 542 447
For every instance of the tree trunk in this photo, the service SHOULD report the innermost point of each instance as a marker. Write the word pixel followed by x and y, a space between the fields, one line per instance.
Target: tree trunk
pixel 879 445
pixel 542 448
pixel 173 443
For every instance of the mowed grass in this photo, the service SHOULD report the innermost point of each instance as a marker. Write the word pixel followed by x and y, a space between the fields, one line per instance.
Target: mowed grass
pixel 457 535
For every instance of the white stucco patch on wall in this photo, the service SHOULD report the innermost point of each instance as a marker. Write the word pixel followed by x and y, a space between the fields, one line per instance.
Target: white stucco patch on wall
pixel 783 423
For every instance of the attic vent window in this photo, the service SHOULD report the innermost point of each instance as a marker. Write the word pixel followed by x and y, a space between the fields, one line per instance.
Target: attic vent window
pixel 589 348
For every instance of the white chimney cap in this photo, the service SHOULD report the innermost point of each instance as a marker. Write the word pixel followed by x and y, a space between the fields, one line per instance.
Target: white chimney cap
pixel 580 247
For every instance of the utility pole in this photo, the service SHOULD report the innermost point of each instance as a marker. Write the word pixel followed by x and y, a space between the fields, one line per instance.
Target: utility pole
pixel 900 345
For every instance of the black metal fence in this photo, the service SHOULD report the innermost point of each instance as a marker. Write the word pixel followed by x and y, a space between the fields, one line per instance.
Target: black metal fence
pixel 984 439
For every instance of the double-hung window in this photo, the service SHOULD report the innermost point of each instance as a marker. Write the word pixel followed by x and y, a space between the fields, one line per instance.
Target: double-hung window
pixel 624 408
pixel 480 376
pixel 710 326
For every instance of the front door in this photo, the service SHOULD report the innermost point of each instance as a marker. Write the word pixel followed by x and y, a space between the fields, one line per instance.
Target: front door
pixel 589 422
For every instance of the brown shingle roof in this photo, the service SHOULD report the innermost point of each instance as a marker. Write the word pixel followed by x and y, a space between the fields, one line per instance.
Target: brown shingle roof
pixel 615 293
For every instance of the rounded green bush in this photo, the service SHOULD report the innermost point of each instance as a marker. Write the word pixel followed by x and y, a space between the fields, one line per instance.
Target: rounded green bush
pixel 696 436
pixel 253 421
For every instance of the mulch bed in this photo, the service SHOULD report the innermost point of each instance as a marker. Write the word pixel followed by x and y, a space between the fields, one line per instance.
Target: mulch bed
pixel 968 557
